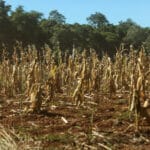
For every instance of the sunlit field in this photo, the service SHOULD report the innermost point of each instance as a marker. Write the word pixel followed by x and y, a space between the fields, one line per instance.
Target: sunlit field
pixel 74 100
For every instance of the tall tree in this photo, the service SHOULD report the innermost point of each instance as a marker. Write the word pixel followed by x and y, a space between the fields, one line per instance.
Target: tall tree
pixel 5 24
pixel 135 35
pixel 123 27
pixel 27 25
pixel 97 20
pixel 56 16
pixel 82 35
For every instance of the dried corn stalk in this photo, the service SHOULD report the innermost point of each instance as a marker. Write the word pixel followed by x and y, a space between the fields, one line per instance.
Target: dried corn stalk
pixel 36 98
pixel 78 95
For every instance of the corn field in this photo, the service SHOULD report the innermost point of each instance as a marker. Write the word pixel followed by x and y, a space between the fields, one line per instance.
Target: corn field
pixel 78 76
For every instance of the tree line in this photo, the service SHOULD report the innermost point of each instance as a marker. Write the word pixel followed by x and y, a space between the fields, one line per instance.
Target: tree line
pixel 30 27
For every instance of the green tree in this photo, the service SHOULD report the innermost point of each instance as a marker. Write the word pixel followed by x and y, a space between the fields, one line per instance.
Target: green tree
pixel 146 43
pixel 123 27
pixel 97 20
pixel 82 35
pixel 62 37
pixel 26 25
pixel 135 35
pixel 97 41
pixel 5 24
pixel 56 16
pixel 111 42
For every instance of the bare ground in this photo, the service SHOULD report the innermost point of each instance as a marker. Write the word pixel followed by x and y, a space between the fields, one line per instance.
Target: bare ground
pixel 101 123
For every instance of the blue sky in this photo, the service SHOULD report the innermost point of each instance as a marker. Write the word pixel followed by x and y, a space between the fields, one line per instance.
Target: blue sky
pixel 79 10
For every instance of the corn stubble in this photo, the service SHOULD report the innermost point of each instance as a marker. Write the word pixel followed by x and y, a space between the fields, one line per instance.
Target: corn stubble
pixel 76 74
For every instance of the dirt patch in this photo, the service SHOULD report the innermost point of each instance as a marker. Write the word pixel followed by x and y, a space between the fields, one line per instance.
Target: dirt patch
pixel 101 123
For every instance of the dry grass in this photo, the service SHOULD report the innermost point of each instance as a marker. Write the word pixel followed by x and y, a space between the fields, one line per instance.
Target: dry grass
pixel 10 140
pixel 7 141
pixel 57 73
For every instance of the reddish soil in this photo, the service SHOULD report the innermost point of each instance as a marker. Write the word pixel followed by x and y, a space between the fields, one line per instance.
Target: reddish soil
pixel 101 123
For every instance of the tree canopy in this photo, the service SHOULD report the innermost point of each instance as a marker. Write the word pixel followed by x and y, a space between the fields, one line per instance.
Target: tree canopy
pixel 97 20
pixel 30 27
pixel 56 16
